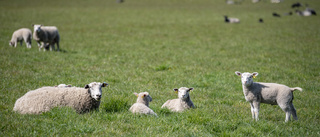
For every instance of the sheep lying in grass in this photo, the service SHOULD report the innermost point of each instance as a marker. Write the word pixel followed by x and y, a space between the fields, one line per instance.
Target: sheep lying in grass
pixel 45 98
pixel 142 104
pixel 269 93
pixel 182 103
pixel 20 35
pixel 231 20
pixel 46 36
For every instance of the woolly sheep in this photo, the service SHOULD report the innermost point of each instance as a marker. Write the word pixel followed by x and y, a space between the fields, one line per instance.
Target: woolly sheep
pixel 142 104
pixel 182 103
pixel 20 35
pixel 46 36
pixel 44 99
pixel 231 20
pixel 269 93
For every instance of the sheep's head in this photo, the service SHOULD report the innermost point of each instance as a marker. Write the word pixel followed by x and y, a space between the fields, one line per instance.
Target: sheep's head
pixel 183 92
pixel 246 77
pixel 11 43
pixel 95 89
pixel 144 98
pixel 36 28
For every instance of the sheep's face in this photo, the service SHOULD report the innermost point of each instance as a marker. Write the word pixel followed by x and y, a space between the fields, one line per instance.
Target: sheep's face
pixel 145 96
pixel 95 89
pixel 11 43
pixel 183 92
pixel 247 78
pixel 37 28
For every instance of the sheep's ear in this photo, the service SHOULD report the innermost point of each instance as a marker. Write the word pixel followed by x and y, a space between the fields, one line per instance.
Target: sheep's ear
pixel 87 86
pixel 136 94
pixel 104 84
pixel 255 74
pixel 238 73
pixel 176 90
pixel 190 89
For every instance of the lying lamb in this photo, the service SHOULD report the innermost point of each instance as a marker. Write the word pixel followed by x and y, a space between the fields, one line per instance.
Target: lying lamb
pixel 269 93
pixel 182 103
pixel 46 36
pixel 45 98
pixel 142 104
pixel 20 35
pixel 231 20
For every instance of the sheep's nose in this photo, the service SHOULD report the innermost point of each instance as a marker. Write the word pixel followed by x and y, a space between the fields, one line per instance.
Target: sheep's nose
pixel 98 96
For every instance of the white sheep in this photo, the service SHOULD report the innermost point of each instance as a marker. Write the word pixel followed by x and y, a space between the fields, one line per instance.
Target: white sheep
pixel 46 36
pixel 269 93
pixel 45 98
pixel 142 104
pixel 231 20
pixel 20 35
pixel 182 103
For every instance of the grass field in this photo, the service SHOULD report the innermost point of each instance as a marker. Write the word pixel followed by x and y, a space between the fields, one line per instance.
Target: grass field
pixel 155 46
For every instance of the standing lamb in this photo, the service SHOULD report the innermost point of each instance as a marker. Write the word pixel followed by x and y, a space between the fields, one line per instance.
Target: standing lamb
pixel 182 103
pixel 269 93
pixel 142 104
pixel 44 99
pixel 46 36
pixel 20 35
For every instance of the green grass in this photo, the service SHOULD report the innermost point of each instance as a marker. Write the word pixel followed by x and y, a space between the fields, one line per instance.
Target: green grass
pixel 156 46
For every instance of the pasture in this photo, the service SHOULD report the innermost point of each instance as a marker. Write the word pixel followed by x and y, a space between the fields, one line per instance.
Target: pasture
pixel 156 46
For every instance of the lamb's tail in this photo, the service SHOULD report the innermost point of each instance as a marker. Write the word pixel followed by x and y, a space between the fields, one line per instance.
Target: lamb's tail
pixel 296 88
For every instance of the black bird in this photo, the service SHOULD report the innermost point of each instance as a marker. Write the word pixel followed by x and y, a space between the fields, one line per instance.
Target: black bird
pixel 261 20
pixel 275 14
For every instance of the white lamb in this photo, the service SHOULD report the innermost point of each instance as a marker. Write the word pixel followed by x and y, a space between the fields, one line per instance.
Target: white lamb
pixel 46 36
pixel 20 35
pixel 142 104
pixel 182 103
pixel 269 93
pixel 231 20
pixel 44 99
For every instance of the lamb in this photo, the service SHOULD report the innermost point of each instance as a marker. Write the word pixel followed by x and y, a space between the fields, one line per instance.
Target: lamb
pixel 231 20
pixel 20 35
pixel 46 36
pixel 182 103
pixel 44 99
pixel 142 104
pixel 268 93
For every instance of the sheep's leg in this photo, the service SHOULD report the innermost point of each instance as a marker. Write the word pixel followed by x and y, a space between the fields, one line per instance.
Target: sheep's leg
pixel 21 43
pixel 39 45
pixel 58 49
pixel 286 108
pixel 293 112
pixel 256 107
pixel 15 43
pixel 252 110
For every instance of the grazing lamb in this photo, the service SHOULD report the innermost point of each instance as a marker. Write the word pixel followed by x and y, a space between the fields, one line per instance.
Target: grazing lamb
pixel 303 13
pixel 269 93
pixel 20 35
pixel 275 14
pixel 182 103
pixel 231 20
pixel 142 104
pixel 46 36
pixel 44 99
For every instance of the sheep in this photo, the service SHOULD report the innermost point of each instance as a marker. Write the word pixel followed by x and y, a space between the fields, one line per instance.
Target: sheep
pixel 20 35
pixel 182 103
pixel 231 20
pixel 44 99
pixel 46 36
pixel 142 104
pixel 63 86
pixel 303 13
pixel 268 93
